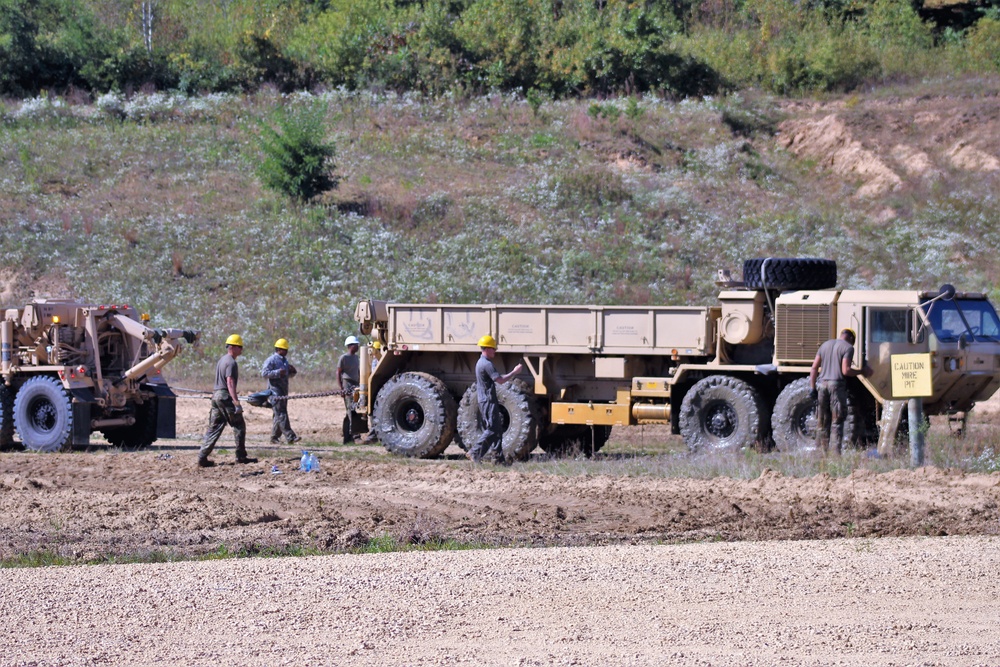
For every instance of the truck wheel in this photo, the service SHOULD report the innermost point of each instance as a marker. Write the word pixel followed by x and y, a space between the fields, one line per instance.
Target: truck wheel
pixel 6 417
pixel 414 415
pixel 790 274
pixel 572 439
pixel 140 434
pixel 793 422
pixel 43 415
pixel 517 411
pixel 721 413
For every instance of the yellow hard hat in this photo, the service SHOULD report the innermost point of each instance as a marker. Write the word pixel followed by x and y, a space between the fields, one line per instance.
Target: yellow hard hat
pixel 235 339
pixel 376 345
pixel 281 344
pixel 488 341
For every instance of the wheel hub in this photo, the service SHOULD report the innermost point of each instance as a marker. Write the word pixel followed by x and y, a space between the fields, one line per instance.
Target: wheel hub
pixel 721 421
pixel 411 417
pixel 43 416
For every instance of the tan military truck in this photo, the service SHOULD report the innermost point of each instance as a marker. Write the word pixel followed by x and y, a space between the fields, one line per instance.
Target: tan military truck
pixel 70 369
pixel 726 376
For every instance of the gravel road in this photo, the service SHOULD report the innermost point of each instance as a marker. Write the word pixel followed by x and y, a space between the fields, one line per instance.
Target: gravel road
pixel 888 601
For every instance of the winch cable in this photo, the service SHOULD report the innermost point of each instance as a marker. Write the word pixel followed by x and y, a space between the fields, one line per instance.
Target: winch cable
pixel 316 394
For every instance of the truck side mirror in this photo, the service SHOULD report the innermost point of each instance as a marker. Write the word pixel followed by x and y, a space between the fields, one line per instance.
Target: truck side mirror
pixel 917 328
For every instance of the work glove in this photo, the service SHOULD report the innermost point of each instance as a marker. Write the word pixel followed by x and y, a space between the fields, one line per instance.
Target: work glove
pixel 813 394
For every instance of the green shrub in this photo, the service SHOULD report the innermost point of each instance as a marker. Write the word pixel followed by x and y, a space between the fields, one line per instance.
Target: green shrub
pixel 44 44
pixel 782 47
pixel 896 32
pixel 297 162
pixel 503 38
pixel 983 45
pixel 337 44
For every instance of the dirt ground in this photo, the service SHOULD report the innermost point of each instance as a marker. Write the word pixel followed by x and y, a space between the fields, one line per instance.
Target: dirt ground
pixel 741 581
pixel 83 505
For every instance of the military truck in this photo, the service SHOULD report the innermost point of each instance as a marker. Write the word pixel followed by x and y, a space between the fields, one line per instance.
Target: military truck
pixel 725 376
pixel 70 369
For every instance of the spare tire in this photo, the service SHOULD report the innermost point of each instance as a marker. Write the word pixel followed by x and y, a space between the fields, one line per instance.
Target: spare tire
pixel 790 273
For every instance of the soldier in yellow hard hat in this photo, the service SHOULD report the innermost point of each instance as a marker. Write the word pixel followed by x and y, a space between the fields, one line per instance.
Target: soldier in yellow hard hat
pixel 490 445
pixel 226 408
pixel 277 369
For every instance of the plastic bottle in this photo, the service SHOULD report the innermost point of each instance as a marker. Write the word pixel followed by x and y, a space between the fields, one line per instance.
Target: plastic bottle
pixel 313 463
pixel 305 464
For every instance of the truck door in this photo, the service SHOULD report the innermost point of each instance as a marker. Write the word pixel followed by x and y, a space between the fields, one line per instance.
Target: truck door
pixel 888 331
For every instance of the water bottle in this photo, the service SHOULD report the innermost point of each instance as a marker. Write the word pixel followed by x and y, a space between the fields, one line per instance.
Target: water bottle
pixel 313 463
pixel 305 464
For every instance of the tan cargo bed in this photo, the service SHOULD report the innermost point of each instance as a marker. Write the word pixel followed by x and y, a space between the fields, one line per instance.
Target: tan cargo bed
pixel 547 329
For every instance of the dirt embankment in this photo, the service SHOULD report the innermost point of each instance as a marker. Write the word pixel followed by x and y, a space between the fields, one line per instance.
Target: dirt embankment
pixel 884 145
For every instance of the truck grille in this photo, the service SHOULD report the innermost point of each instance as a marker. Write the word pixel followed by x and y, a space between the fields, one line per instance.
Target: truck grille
pixel 801 330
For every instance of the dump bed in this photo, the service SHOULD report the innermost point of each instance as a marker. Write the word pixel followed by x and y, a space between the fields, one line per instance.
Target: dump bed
pixel 549 329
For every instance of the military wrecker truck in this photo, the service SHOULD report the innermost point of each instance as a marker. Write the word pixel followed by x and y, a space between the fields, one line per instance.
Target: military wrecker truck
pixel 726 376
pixel 70 369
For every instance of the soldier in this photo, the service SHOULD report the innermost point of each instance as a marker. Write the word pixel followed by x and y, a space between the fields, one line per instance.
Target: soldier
pixel 376 355
pixel 226 408
pixel 832 366
pixel 277 369
pixel 349 377
pixel 489 445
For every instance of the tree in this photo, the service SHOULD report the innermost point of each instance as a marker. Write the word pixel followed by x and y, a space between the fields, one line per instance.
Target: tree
pixel 297 162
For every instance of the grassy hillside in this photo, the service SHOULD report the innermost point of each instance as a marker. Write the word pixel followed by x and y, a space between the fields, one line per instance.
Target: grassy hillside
pixel 154 200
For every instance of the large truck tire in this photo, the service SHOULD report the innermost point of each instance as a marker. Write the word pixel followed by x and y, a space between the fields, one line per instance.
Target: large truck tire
pixel 6 417
pixel 790 273
pixel 520 433
pixel 721 413
pixel 793 421
pixel 573 439
pixel 415 415
pixel 43 415
pixel 139 435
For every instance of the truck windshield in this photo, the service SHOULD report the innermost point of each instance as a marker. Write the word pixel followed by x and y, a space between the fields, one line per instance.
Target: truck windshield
pixel 973 317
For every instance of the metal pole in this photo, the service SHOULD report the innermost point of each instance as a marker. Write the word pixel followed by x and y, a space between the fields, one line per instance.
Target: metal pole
pixel 915 414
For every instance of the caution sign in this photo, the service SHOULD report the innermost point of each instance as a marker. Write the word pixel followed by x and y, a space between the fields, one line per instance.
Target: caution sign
pixel 911 375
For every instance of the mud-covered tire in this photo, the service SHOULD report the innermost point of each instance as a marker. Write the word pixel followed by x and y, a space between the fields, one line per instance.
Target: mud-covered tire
pixel 139 435
pixel 467 429
pixel 793 420
pixel 573 439
pixel 721 413
pixel 414 415
pixel 790 273
pixel 6 417
pixel 43 415
pixel 517 411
